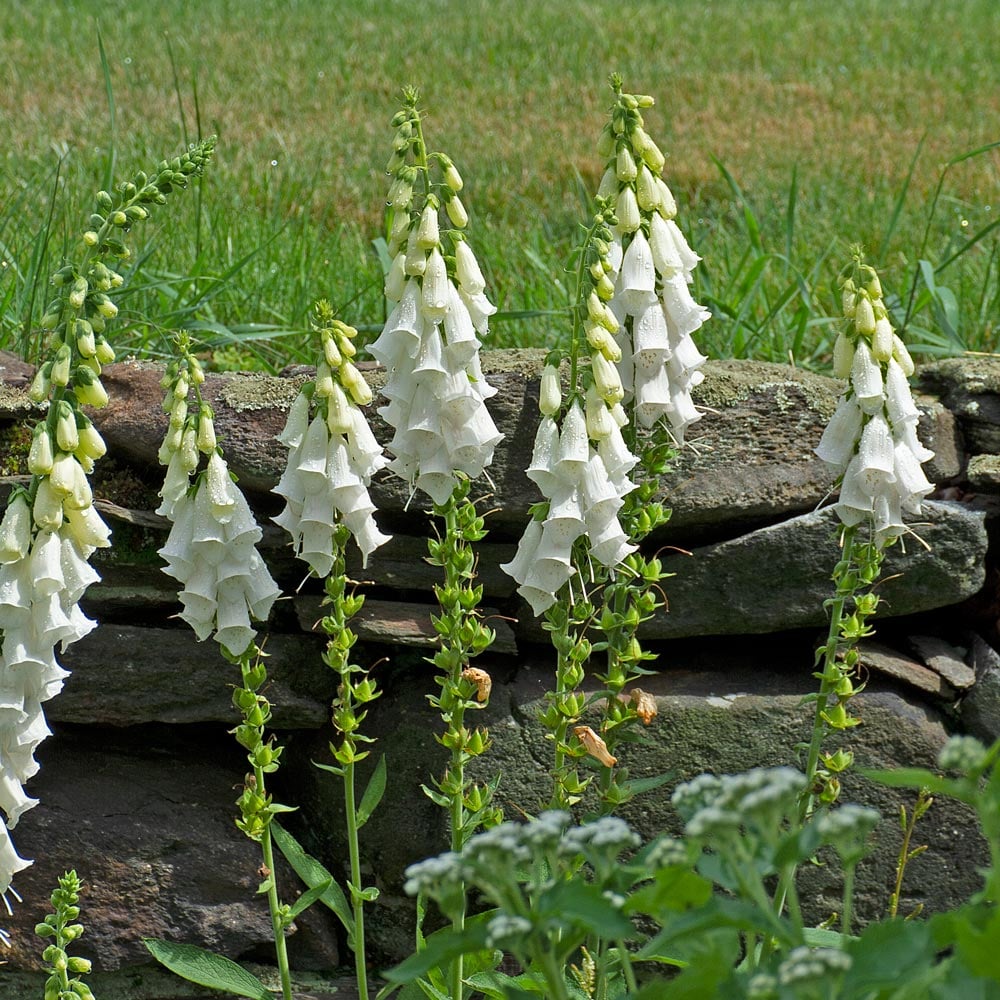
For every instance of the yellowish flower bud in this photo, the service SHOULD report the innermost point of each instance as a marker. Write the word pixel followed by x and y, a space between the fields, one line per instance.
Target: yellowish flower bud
pixel 843 356
pixel 91 443
pixel 354 382
pixel 331 353
pixel 902 356
pixel 67 436
pixel 864 316
pixel 457 213
pixel 206 439
pixel 40 384
pixel 599 339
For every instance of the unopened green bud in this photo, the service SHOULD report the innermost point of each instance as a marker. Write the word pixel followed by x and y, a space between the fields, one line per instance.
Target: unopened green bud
pixel 78 295
pixel 60 366
pixel 104 201
pixel 88 389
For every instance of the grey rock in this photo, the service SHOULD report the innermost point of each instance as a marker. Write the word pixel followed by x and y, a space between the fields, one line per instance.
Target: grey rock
pixel 146 819
pixel 123 676
pixel 970 388
pixel 890 663
pixel 980 709
pixel 945 660
pixel 983 473
pixel 778 577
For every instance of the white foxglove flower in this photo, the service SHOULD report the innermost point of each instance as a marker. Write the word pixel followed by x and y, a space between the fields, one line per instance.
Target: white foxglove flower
pixel 871 438
pixel 435 387
pixel 585 483
pixel 211 551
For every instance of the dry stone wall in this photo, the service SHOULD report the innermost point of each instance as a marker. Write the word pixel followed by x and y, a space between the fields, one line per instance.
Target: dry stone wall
pixel 139 778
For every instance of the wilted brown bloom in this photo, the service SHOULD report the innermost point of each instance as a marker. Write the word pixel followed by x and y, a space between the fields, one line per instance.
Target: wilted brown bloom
pixel 644 704
pixel 482 681
pixel 595 745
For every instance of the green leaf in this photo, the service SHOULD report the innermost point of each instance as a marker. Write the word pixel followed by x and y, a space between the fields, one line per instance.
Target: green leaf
pixel 438 950
pixel 314 874
pixel 207 969
pixel 889 953
pixel 373 793
pixel 308 898
pixel 584 905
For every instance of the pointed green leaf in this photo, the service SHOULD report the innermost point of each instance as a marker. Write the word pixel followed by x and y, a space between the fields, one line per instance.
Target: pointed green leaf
pixel 205 968
pixel 313 874
pixel 308 898
pixel 373 793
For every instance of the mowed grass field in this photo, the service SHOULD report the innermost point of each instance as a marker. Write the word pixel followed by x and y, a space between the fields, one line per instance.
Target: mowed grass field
pixel 792 129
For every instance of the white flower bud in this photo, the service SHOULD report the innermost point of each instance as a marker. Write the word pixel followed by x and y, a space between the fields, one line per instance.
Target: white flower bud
pixel 608 187
pixel 395 280
pixel 599 421
pixel 434 289
pixel 646 191
pixel 606 379
pixel 625 168
pixel 427 232
pixel 627 211
pixel 467 271
pixel 41 453
pixel 47 511
pixel 549 391
pixel 15 530
pixel 354 382
pixel 882 339
pixel 902 356
pixel 416 259
pixel 91 443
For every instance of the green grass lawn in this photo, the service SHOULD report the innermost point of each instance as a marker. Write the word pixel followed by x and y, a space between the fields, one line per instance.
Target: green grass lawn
pixel 791 127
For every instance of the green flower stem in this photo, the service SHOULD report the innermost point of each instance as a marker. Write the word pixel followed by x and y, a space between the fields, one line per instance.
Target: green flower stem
pixel 462 636
pixel 627 971
pixel 830 677
pixel 255 805
pixel 358 904
pixel 348 714
pixel 552 970
pixel 277 922
pixel 848 907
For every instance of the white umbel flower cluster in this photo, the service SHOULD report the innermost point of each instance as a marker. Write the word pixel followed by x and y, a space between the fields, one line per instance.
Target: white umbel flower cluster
pixel 871 440
pixel 585 482
pixel 332 456
pixel 430 343
pixel 652 267
pixel 211 548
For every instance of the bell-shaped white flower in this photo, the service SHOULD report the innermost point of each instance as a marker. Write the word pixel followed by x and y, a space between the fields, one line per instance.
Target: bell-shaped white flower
pixel 435 387
pixel 211 551
pixel 871 437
